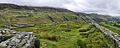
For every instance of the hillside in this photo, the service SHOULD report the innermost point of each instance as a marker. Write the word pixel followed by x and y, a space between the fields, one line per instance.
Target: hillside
pixel 10 13
pixel 23 14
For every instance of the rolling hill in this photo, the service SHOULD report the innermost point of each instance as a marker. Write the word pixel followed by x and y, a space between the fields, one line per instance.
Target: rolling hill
pixel 10 13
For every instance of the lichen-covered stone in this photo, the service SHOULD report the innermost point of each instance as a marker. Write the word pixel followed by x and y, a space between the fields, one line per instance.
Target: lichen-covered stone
pixel 14 39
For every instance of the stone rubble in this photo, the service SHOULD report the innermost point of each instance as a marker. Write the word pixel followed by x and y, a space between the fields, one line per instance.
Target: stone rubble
pixel 114 37
pixel 13 39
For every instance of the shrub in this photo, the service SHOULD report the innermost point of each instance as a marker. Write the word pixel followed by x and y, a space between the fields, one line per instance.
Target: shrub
pixel 50 37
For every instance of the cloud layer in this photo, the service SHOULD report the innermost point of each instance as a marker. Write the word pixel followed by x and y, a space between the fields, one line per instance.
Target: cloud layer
pixel 108 7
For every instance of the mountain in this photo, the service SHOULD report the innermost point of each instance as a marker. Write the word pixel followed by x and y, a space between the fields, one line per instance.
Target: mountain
pixel 15 14
pixel 98 18
pixel 10 13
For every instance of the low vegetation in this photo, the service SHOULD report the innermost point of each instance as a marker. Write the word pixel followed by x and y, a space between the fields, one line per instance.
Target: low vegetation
pixel 69 35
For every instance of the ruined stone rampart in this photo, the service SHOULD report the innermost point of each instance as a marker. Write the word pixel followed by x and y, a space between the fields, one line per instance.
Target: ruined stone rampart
pixel 114 37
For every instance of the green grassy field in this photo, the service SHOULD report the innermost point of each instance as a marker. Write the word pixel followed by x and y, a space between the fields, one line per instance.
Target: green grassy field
pixel 69 35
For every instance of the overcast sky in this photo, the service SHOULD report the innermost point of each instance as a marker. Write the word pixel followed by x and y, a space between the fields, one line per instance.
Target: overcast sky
pixel 108 7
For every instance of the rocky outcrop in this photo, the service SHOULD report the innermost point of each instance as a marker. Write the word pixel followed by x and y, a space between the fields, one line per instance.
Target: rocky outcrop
pixel 13 39
pixel 114 37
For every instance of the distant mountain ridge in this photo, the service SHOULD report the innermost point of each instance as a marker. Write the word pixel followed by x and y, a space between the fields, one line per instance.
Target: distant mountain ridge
pixel 11 13
pixel 13 6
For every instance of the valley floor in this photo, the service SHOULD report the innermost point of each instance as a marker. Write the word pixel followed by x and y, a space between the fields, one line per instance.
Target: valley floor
pixel 69 35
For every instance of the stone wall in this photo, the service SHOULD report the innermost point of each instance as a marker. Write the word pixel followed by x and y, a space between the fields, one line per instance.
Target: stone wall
pixel 13 39
pixel 16 26
pixel 114 37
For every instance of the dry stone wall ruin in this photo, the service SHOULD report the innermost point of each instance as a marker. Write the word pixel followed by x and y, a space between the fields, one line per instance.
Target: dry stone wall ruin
pixel 16 26
pixel 114 37
pixel 13 39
